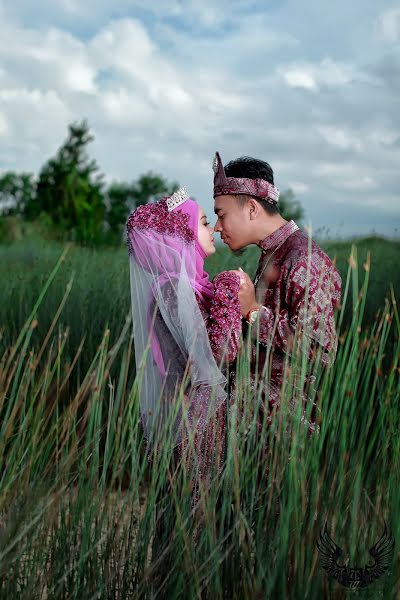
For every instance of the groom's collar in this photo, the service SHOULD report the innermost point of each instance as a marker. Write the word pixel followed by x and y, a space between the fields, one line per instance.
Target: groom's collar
pixel 278 237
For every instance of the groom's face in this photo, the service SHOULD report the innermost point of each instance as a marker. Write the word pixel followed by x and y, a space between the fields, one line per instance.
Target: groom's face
pixel 231 222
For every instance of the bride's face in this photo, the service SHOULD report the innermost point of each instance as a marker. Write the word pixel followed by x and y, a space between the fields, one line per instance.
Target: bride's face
pixel 205 234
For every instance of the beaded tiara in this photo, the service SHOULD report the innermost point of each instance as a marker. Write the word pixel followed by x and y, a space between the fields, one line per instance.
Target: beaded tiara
pixel 177 198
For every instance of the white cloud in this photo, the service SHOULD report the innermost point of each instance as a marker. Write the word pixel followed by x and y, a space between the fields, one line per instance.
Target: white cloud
pixel 164 96
pixel 314 76
pixel 390 24
pixel 125 45
pixel 3 125
pixel 198 14
pixel 366 182
pixel 347 176
pixel 300 77
pixel 388 204
pixel 336 136
pixel 55 58
pixel 36 109
pixel 121 107
pixel 71 6
pixel 299 187
pixel 334 171
pixel 384 137
pixel 130 80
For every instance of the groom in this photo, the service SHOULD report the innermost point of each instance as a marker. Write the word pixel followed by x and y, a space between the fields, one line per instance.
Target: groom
pixel 291 302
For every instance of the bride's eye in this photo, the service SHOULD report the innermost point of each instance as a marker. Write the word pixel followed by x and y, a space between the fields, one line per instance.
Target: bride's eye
pixel 206 223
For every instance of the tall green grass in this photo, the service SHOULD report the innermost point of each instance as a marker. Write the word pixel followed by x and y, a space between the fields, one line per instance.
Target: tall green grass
pixel 83 514
pixel 100 295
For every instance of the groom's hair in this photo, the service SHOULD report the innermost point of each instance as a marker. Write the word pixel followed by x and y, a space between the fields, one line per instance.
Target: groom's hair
pixel 252 168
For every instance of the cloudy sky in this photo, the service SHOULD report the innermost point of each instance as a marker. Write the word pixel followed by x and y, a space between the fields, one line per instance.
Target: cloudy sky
pixel 312 87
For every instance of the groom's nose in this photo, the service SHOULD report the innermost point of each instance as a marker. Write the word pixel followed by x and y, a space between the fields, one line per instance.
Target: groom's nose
pixel 217 227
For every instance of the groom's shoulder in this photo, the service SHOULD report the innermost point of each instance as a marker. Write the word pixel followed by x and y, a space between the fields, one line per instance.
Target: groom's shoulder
pixel 302 250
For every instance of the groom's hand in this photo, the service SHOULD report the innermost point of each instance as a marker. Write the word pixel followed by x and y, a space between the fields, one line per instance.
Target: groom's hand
pixel 247 293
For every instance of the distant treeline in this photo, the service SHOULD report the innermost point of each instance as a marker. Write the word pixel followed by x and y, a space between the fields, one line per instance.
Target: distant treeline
pixel 69 200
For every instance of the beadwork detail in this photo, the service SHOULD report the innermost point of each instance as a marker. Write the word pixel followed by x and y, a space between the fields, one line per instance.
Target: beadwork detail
pixel 158 218
pixel 224 322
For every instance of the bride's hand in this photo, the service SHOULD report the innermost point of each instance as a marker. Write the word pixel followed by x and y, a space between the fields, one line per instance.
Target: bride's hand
pixel 240 273
pixel 247 294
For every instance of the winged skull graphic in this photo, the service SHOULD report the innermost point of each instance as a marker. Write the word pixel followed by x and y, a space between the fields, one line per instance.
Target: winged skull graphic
pixel 355 577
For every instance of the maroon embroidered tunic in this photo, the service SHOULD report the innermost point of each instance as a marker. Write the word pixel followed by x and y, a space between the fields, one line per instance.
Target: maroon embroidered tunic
pixel 224 326
pixel 298 288
pixel 224 320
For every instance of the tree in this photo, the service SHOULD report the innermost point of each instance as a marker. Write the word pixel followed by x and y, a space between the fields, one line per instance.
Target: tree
pixel 289 207
pixel 119 199
pixel 17 190
pixel 69 198
pixel 122 198
pixel 70 189
pixel 151 186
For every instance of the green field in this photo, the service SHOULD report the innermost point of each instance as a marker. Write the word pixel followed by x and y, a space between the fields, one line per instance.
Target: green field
pixel 100 295
pixel 79 501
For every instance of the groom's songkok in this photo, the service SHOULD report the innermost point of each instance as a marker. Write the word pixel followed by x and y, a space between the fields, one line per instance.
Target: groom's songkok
pixel 257 188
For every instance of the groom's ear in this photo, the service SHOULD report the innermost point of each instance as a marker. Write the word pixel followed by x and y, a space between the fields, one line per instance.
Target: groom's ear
pixel 254 208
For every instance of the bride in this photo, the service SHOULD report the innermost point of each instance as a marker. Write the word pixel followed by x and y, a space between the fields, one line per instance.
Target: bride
pixel 186 328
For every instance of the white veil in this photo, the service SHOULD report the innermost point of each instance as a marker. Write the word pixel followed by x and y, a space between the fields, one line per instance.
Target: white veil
pixel 174 362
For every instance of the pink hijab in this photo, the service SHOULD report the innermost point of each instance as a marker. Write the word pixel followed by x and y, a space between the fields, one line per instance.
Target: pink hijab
pixel 202 285
pixel 164 237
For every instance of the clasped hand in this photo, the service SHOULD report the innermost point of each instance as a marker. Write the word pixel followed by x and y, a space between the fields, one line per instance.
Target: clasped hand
pixel 247 293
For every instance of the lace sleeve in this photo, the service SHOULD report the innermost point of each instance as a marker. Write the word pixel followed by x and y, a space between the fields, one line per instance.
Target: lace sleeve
pixel 225 324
